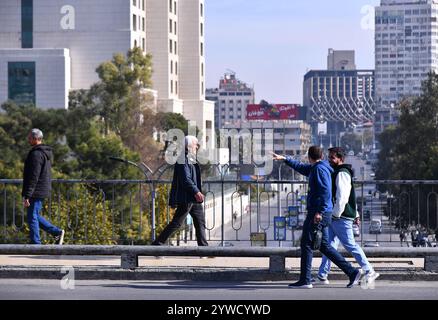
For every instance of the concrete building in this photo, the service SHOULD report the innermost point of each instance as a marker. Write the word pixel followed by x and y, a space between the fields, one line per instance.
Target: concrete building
pixel 49 47
pixel 406 40
pixel 341 60
pixel 290 136
pixel 231 99
pixel 338 98
pixel 406 51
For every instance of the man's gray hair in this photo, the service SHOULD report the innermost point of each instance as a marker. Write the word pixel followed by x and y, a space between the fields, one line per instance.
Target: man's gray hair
pixel 189 140
pixel 37 134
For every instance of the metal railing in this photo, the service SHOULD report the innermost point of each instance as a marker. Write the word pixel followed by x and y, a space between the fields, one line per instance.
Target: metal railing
pixel 133 212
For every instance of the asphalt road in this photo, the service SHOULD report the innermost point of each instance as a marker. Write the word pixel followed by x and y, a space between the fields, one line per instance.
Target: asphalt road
pixel 13 289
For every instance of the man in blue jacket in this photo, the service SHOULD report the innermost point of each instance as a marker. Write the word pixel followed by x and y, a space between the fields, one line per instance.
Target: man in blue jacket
pixel 319 213
pixel 186 195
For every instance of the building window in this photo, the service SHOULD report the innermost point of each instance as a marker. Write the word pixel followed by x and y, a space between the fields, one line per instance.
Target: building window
pixel 27 23
pixel 176 87
pixel 135 44
pixel 175 48
pixel 170 5
pixel 170 46
pixel 174 7
pixel 21 82
pixel 134 2
pixel 175 27
pixel 202 88
pixel 171 86
pixel 202 10
pixel 202 29
pixel 142 4
pixel 143 24
pixel 202 69
pixel 143 44
pixel 202 49
pixel 176 67
pixel 171 67
pixel 134 22
pixel 170 25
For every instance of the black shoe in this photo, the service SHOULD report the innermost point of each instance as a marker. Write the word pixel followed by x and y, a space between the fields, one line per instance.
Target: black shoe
pixel 354 278
pixel 59 239
pixel 300 285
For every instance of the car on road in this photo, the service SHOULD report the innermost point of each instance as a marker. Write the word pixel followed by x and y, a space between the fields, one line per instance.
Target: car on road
pixel 376 226
pixel 371 244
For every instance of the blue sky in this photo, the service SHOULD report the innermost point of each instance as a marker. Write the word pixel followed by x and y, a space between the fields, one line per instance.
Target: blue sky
pixel 271 44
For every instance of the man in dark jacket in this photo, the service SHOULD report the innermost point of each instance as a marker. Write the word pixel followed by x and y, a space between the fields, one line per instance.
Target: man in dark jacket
pixel 37 184
pixel 319 213
pixel 186 195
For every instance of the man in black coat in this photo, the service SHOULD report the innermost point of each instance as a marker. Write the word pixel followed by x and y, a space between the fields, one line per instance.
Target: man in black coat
pixel 37 184
pixel 186 195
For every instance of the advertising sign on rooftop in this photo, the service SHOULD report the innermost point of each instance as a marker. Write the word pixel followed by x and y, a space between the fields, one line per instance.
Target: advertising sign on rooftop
pixel 275 112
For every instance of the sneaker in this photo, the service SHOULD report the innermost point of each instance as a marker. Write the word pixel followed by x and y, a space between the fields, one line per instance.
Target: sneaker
pixel 371 276
pixel 319 281
pixel 354 279
pixel 59 239
pixel 300 285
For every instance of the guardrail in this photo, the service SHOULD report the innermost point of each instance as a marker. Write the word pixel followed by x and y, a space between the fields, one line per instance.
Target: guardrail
pixel 277 256
pixel 132 212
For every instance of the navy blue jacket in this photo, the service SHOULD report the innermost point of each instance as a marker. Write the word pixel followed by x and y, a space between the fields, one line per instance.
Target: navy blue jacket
pixel 319 196
pixel 186 183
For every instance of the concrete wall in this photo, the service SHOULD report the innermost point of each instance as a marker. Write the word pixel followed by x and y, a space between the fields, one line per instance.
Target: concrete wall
pixel 52 74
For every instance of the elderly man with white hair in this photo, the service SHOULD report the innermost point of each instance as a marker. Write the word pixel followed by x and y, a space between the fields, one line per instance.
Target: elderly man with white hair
pixel 37 184
pixel 186 195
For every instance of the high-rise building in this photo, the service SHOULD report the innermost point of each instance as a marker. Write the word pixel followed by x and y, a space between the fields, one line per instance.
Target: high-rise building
pixel 49 47
pixel 338 98
pixel 231 98
pixel 406 49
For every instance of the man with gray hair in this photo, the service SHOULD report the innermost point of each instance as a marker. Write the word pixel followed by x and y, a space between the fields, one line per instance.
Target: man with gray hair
pixel 186 194
pixel 37 184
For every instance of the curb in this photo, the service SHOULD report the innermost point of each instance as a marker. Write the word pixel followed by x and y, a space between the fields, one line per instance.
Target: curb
pixel 192 274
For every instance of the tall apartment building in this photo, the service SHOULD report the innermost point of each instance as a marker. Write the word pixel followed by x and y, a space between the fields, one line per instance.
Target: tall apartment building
pixel 231 99
pixel 406 40
pixel 406 50
pixel 339 97
pixel 49 47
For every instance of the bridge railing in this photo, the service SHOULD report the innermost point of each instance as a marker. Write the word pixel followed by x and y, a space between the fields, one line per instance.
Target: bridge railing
pixel 238 213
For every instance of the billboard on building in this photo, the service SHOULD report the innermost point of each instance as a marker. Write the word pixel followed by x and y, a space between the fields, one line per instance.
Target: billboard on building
pixel 275 112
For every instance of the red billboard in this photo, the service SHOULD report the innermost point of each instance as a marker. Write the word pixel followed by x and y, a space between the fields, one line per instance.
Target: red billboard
pixel 274 112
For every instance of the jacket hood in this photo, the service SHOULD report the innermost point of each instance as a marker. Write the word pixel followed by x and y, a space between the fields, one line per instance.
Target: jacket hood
pixel 46 150
pixel 325 164
pixel 346 166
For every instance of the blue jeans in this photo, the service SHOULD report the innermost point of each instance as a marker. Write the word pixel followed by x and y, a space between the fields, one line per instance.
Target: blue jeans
pixel 326 249
pixel 342 231
pixel 35 221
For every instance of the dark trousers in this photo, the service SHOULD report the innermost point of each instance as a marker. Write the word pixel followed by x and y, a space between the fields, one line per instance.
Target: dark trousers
pixel 196 210
pixel 326 249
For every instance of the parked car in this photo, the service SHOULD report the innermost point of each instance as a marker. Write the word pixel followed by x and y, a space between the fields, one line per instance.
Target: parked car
pixel 376 226
pixel 356 230
pixel 371 244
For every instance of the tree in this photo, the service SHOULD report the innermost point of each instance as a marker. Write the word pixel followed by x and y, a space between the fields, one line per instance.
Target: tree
pixel 410 152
